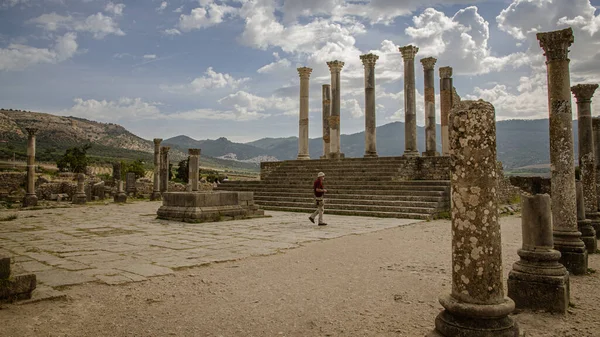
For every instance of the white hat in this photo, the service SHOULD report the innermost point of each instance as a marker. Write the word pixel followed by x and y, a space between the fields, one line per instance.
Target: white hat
pixel 320 174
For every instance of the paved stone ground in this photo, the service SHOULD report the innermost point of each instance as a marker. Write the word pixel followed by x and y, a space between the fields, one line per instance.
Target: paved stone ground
pixel 116 244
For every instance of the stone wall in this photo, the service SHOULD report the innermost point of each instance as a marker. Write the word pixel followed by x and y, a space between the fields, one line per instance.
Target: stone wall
pixel 531 185
pixel 507 193
pixel 11 182
pixel 266 167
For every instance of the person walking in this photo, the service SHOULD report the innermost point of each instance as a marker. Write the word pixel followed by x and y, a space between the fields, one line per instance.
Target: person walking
pixel 319 191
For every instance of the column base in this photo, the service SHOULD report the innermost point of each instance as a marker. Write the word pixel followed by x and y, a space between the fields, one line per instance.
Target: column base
pixel 336 155
pixel 595 217
pixel 573 251
pixel 371 155
pixel 475 320
pixel 120 197
pixel 30 200
pixel 588 235
pixel 303 157
pixel 155 196
pixel 79 198
pixel 411 154
pixel 430 154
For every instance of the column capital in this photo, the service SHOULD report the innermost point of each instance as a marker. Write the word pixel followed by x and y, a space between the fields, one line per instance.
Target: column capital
pixel 304 72
pixel 369 60
pixel 165 149
pixel 335 65
pixel 409 52
pixel 556 44
pixel 194 152
pixel 31 131
pixel 157 141
pixel 584 92
pixel 445 72
pixel 428 63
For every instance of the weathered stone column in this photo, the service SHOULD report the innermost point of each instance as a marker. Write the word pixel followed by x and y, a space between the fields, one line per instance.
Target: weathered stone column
pixel 587 161
pixel 446 98
pixel 477 305
pixel 537 281
pixel 303 124
pixel 193 168
pixel 588 234
pixel 156 189
pixel 596 132
pixel 30 196
pixel 567 239
pixel 335 67
pixel 430 136
pixel 326 115
pixel 164 169
pixel 410 104
pixel 80 197
pixel 369 61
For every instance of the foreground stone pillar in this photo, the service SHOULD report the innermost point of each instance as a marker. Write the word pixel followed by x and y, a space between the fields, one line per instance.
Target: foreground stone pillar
pixel 30 196
pixel 446 104
pixel 537 281
pixel 430 136
pixel 193 168
pixel 326 115
pixel 156 188
pixel 335 67
pixel 164 169
pixel 596 132
pixel 80 197
pixel 477 306
pixel 588 234
pixel 368 61
pixel 410 104
pixel 303 124
pixel 587 161
pixel 567 238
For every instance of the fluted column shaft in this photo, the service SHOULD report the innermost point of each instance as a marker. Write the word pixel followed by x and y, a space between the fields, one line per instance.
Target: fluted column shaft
pixel 410 104
pixel 567 238
pixel 335 67
pixel 369 61
pixel 429 83
pixel 446 97
pixel 304 73
pixel 326 115
pixel 193 168
pixel 156 188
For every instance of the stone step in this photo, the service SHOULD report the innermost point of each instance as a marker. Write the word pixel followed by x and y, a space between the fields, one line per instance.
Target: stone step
pixel 373 208
pixel 357 201
pixel 440 198
pixel 340 179
pixel 330 192
pixel 399 215
pixel 348 187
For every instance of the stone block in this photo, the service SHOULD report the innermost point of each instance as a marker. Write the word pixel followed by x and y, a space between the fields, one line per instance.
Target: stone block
pixel 539 292
pixel 4 267
pixel 14 287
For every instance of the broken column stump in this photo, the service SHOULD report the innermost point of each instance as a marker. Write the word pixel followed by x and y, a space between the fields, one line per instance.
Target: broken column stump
pixel 18 287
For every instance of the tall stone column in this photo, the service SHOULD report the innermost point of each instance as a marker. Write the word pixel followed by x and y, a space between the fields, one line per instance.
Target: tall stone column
pixel 429 79
pixel 30 196
pixel 326 115
pixel 537 281
pixel 164 169
pixel 369 61
pixel 335 67
pixel 303 124
pixel 156 189
pixel 194 167
pixel 567 238
pixel 446 98
pixel 588 234
pixel 410 104
pixel 596 132
pixel 587 161
pixel 477 305
pixel 80 198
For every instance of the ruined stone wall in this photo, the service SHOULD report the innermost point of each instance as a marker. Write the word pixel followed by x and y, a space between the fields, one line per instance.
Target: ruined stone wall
pixel 531 185
pixel 267 167
pixel 424 168
pixel 507 193
pixel 11 182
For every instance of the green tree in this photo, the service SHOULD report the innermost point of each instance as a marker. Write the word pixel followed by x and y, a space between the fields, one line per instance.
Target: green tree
pixel 182 170
pixel 137 167
pixel 74 160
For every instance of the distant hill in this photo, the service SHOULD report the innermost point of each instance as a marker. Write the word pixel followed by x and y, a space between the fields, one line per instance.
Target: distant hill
pixel 216 148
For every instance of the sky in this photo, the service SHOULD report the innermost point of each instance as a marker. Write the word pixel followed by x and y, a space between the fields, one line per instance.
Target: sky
pixel 228 68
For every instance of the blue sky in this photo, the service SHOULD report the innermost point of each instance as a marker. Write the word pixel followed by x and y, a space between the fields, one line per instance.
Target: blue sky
pixel 210 68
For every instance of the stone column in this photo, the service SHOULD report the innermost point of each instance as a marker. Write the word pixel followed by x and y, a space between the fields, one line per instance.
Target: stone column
pixel 326 115
pixel 164 169
pixel 369 61
pixel 537 281
pixel 588 234
pixel 303 124
pixel 156 189
pixel 193 168
pixel 30 196
pixel 596 132
pixel 446 98
pixel 335 67
pixel 587 161
pixel 430 136
pixel 567 238
pixel 477 305
pixel 80 197
pixel 410 104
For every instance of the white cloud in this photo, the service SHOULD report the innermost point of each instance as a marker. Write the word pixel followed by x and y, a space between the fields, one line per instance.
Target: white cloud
pixel 18 56
pixel 352 106
pixel 149 57
pixel 249 105
pixel 171 31
pixel 211 80
pixel 280 65
pixel 98 24
pixel 123 109
pixel 12 3
pixel 162 7
pixel 203 17
pixel 178 9
pixel 115 9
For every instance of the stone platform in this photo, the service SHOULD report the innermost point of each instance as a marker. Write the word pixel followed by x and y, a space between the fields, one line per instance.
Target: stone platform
pixel 207 206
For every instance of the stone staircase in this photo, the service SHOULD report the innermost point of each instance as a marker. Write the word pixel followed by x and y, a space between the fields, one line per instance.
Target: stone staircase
pixel 356 186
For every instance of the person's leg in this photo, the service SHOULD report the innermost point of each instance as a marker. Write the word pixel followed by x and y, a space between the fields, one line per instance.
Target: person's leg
pixel 315 213
pixel 321 209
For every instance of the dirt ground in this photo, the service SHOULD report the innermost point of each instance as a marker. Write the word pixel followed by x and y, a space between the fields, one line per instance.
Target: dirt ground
pixel 383 283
